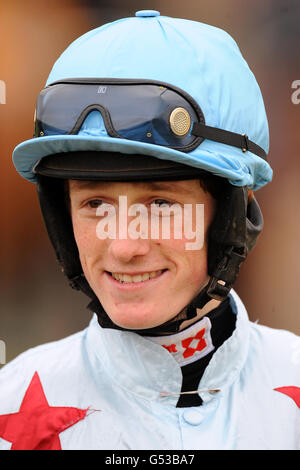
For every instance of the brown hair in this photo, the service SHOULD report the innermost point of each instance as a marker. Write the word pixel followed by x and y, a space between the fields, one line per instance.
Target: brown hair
pixel 214 185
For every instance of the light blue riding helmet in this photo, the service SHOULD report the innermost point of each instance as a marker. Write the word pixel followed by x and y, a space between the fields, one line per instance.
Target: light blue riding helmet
pixel 202 61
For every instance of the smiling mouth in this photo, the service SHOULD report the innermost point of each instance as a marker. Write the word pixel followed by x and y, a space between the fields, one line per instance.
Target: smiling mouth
pixel 125 278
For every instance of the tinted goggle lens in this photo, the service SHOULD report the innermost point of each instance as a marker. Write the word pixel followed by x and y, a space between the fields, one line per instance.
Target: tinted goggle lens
pixel 150 113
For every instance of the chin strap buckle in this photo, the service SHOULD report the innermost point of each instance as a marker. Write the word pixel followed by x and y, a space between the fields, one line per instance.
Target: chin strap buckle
pixel 245 143
pixel 226 273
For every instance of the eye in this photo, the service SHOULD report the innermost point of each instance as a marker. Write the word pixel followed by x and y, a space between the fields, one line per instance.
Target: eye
pixel 95 203
pixel 165 208
pixel 161 203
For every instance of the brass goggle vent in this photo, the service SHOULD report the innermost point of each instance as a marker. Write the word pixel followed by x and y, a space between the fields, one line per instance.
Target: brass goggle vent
pixel 180 121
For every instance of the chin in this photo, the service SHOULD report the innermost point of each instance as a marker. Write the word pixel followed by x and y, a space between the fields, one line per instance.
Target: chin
pixel 135 318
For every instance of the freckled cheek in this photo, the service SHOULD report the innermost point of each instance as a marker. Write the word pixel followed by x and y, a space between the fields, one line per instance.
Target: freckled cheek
pixel 89 245
pixel 200 270
pixel 189 265
pixel 198 266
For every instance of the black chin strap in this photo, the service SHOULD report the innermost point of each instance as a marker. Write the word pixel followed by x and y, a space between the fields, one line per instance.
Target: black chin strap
pixel 217 288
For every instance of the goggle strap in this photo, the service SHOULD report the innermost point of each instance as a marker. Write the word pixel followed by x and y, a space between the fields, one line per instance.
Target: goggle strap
pixel 227 137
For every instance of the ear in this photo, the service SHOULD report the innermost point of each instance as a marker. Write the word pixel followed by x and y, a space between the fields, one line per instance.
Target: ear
pixel 250 195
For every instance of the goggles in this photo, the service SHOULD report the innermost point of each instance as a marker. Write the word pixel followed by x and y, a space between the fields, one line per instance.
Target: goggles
pixel 138 110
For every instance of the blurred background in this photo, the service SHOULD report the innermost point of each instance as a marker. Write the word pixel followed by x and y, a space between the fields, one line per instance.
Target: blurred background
pixel 37 305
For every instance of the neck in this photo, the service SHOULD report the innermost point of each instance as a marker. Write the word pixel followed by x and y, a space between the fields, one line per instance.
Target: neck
pixel 211 305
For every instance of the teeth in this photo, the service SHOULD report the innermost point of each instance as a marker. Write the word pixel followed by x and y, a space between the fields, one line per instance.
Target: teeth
pixel 136 278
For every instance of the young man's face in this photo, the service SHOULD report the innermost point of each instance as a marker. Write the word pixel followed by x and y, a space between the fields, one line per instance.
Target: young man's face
pixel 146 281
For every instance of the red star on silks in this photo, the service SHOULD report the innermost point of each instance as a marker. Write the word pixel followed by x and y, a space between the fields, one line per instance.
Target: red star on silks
pixel 37 425
pixel 292 392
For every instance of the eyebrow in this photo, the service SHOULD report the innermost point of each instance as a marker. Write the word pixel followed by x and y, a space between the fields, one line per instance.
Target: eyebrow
pixel 150 185
pixel 166 186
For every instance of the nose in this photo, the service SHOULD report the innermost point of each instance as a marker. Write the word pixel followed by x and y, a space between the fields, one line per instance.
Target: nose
pixel 127 250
